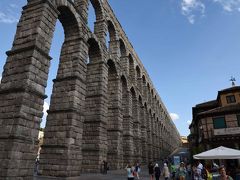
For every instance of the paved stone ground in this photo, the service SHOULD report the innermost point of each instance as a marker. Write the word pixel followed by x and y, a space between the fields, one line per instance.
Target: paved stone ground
pixel 112 175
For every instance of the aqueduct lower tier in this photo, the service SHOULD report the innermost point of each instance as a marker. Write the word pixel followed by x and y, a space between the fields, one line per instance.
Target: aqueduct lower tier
pixel 103 103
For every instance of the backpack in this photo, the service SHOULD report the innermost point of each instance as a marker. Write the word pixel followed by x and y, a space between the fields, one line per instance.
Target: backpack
pixel 204 174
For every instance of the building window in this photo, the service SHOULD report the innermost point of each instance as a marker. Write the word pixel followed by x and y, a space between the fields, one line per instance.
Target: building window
pixel 219 123
pixel 238 119
pixel 231 99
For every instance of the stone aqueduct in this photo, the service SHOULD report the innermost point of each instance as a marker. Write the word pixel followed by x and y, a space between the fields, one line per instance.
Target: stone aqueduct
pixel 103 104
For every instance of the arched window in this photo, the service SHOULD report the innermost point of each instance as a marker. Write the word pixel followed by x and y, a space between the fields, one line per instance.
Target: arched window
pixel 124 96
pixel 131 69
pixel 111 36
pixel 122 48
pixel 91 17
pixel 94 54
pixel 138 78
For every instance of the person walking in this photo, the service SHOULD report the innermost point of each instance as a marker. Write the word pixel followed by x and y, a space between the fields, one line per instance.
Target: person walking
pixel 166 173
pixel 199 170
pixel 182 172
pixel 151 170
pixel 130 172
pixel 105 167
pixel 157 172
pixel 36 168
pixel 137 170
pixel 208 171
pixel 173 171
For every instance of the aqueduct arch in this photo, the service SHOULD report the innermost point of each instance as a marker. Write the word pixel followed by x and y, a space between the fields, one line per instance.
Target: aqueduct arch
pixel 104 109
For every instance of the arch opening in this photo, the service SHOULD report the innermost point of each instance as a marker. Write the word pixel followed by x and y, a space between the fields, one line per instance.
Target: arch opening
pixel 123 51
pixel 139 80
pixel 111 37
pixel 69 65
pixel 131 68
pixel 91 17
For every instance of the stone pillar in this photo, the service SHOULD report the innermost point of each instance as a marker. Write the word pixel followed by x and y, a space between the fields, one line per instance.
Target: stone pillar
pixel 164 142
pixel 136 127
pixel 148 94
pixel 95 124
pixel 127 130
pixel 62 142
pixel 124 61
pixel 156 141
pixel 159 140
pixel 115 120
pixel 139 84
pixel 149 134
pixel 150 100
pixel 153 104
pixel 114 49
pixel 100 29
pixel 22 91
pixel 144 87
pixel 143 135
pixel 82 6
pixel 154 138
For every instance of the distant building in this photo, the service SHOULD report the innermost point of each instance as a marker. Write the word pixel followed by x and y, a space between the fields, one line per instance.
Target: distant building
pixel 40 139
pixel 216 123
pixel 184 141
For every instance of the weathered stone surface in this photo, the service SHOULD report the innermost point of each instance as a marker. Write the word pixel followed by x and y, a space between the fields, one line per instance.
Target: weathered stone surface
pixel 103 104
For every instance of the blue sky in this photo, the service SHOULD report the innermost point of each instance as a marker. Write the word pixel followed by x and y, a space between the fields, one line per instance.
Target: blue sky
pixel 190 48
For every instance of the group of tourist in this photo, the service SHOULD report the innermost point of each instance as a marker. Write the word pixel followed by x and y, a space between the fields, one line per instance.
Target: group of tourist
pixel 199 172
pixel 169 171
pixel 206 173
pixel 182 172
pixel 133 171
pixel 155 171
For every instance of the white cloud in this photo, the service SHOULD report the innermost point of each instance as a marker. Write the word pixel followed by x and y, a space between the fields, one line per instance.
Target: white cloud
pixel 191 19
pixel 174 116
pixel 191 7
pixel 189 122
pixel 7 18
pixel 0 79
pixel 45 108
pixel 9 14
pixel 229 5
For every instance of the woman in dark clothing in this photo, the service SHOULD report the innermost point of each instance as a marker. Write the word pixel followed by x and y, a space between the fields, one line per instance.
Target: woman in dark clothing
pixel 157 172
pixel 151 170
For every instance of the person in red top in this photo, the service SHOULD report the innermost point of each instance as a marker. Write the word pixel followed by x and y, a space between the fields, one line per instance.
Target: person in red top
pixel 223 175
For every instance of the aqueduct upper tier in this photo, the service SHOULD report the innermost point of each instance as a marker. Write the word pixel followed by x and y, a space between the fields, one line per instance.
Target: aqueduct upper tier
pixel 103 104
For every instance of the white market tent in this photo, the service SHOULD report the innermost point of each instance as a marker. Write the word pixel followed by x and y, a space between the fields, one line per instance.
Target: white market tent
pixel 219 153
